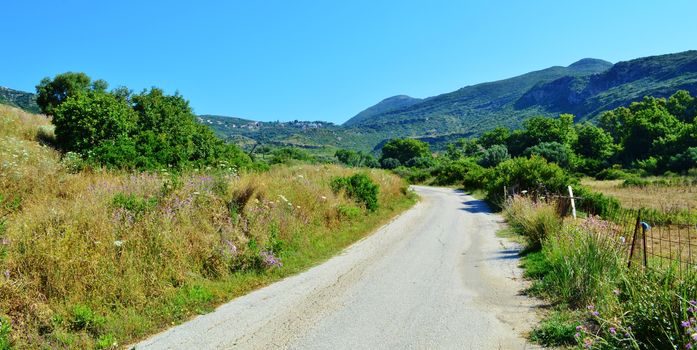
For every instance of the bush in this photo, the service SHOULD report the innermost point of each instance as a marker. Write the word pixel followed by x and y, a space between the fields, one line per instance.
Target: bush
pixel 494 155
pixel 358 187
pixel 613 174
pixel 554 152
pixel 420 162
pixel 390 163
pixel 533 174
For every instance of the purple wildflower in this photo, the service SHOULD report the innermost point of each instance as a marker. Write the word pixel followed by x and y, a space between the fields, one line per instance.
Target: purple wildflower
pixel 688 346
pixel 685 324
pixel 613 330
pixel 270 260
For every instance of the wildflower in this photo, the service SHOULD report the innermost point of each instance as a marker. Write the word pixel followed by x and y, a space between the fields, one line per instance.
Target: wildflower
pixel 616 292
pixel 7 274
pixel 613 331
pixel 118 243
pixel 577 335
pixel 587 342
pixel 270 260
pixel 685 324
pixel 688 346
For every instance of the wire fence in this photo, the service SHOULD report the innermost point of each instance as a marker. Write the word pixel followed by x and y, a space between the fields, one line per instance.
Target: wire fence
pixel 650 238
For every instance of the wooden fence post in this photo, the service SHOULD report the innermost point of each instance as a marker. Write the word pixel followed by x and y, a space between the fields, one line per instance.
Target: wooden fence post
pixel 573 203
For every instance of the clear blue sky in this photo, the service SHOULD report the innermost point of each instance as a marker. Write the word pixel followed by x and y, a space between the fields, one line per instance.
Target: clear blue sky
pixel 324 60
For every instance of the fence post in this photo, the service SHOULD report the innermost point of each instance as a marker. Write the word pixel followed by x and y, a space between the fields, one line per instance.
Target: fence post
pixel 636 231
pixel 573 203
pixel 644 226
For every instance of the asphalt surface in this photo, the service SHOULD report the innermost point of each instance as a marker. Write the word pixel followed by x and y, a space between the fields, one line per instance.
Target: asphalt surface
pixel 436 277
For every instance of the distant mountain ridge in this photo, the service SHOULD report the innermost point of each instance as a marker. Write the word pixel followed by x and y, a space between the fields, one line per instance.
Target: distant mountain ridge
pixel 585 88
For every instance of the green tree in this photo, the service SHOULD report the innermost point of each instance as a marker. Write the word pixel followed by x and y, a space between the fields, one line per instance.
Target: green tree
pixel 553 152
pixel 497 136
pixel 405 149
pixel 682 106
pixel 52 92
pixel 593 142
pixel 85 120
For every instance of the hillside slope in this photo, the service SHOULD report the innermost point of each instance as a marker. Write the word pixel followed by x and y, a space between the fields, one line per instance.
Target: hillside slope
pixel 389 104
pixel 20 99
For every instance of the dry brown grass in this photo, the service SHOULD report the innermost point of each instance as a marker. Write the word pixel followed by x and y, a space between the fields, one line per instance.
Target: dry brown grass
pixel 659 197
pixel 133 252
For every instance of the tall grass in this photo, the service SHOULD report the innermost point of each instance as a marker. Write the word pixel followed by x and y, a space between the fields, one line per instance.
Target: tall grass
pixel 582 269
pixel 98 258
pixel 533 220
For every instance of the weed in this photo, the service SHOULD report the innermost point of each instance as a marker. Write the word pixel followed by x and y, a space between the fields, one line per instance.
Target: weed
pixel 558 328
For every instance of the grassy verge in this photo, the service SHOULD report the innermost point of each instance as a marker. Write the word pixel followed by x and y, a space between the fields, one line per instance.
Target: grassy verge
pixel 597 302
pixel 97 259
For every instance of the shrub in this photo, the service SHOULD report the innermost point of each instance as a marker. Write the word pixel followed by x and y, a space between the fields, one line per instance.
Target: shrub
pixel 359 187
pixel 554 152
pixel 390 163
pixel 494 155
pixel 420 162
pixel 613 174
pixel 533 174
pixel 86 120
pixel 450 173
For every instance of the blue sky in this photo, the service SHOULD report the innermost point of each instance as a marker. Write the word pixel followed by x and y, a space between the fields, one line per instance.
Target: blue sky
pixel 321 60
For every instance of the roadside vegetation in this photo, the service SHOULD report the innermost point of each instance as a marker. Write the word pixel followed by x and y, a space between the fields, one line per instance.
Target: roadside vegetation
pixel 143 218
pixel 639 157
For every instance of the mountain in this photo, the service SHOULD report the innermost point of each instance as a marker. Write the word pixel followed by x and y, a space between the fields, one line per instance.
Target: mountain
pixel 389 104
pixel 625 82
pixel 477 107
pixel 21 99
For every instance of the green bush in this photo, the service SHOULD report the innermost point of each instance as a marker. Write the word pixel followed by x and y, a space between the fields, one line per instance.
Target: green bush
pixel 533 174
pixel 493 156
pixel 613 174
pixel 358 187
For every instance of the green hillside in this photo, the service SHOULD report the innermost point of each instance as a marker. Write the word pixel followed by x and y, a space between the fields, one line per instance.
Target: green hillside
pixel 390 104
pixel 20 99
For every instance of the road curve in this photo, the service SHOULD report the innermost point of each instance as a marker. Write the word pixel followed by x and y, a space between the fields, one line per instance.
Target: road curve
pixel 436 277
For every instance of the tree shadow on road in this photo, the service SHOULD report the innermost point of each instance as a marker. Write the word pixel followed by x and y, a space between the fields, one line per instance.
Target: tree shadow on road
pixel 476 207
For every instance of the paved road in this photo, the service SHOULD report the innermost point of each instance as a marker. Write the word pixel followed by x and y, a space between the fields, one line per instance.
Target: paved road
pixel 436 277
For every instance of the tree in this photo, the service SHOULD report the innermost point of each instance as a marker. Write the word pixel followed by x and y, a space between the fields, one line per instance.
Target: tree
pixel 553 152
pixel 85 120
pixel 405 149
pixel 494 155
pixel 682 106
pixel 497 136
pixel 52 92
pixel 593 142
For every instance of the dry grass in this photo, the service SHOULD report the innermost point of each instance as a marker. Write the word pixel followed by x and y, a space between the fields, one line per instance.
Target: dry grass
pixel 659 197
pixel 94 259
